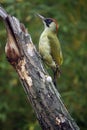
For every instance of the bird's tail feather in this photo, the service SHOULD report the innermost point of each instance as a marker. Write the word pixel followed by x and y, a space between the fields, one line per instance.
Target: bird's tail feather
pixel 56 73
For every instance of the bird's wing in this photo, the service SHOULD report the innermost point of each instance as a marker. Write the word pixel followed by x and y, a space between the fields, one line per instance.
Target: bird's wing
pixel 56 51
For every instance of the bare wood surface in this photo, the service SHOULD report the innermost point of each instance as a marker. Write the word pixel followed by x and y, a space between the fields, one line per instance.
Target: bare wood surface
pixel 40 90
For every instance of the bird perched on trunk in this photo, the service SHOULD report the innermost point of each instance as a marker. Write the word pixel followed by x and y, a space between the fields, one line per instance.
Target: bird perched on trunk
pixel 49 46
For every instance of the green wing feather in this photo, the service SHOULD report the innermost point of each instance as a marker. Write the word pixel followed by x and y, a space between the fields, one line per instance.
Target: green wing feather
pixel 56 51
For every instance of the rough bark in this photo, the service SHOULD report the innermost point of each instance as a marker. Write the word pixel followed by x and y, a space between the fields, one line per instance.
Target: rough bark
pixel 40 90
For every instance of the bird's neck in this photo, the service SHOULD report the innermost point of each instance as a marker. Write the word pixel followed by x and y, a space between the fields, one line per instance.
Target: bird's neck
pixel 49 30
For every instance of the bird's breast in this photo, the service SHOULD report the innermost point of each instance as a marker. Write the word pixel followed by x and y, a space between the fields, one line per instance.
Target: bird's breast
pixel 44 46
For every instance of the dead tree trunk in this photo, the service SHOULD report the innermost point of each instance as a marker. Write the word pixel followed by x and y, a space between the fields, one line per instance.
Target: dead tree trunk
pixel 40 90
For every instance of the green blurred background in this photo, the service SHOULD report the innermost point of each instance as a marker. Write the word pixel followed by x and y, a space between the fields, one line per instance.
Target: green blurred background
pixel 15 111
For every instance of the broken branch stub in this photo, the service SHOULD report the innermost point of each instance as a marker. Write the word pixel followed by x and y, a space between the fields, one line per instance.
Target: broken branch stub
pixel 45 99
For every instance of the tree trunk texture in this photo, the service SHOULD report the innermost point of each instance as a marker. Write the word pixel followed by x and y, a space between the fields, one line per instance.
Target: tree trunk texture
pixel 40 90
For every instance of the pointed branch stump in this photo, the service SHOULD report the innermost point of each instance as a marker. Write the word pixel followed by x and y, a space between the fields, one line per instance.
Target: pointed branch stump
pixel 40 90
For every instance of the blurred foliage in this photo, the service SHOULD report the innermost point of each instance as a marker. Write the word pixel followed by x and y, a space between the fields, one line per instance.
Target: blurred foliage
pixel 15 111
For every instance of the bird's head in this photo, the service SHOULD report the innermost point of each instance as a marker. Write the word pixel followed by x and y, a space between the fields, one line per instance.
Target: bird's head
pixel 49 23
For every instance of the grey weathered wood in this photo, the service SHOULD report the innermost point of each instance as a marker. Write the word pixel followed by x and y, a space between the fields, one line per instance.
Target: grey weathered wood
pixel 40 90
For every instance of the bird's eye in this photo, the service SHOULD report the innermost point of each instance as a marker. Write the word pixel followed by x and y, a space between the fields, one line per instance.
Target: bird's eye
pixel 48 21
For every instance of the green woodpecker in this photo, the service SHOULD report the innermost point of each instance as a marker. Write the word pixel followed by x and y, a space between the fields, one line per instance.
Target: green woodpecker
pixel 49 46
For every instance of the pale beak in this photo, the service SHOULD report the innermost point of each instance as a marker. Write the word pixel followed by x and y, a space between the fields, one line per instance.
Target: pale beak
pixel 41 17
